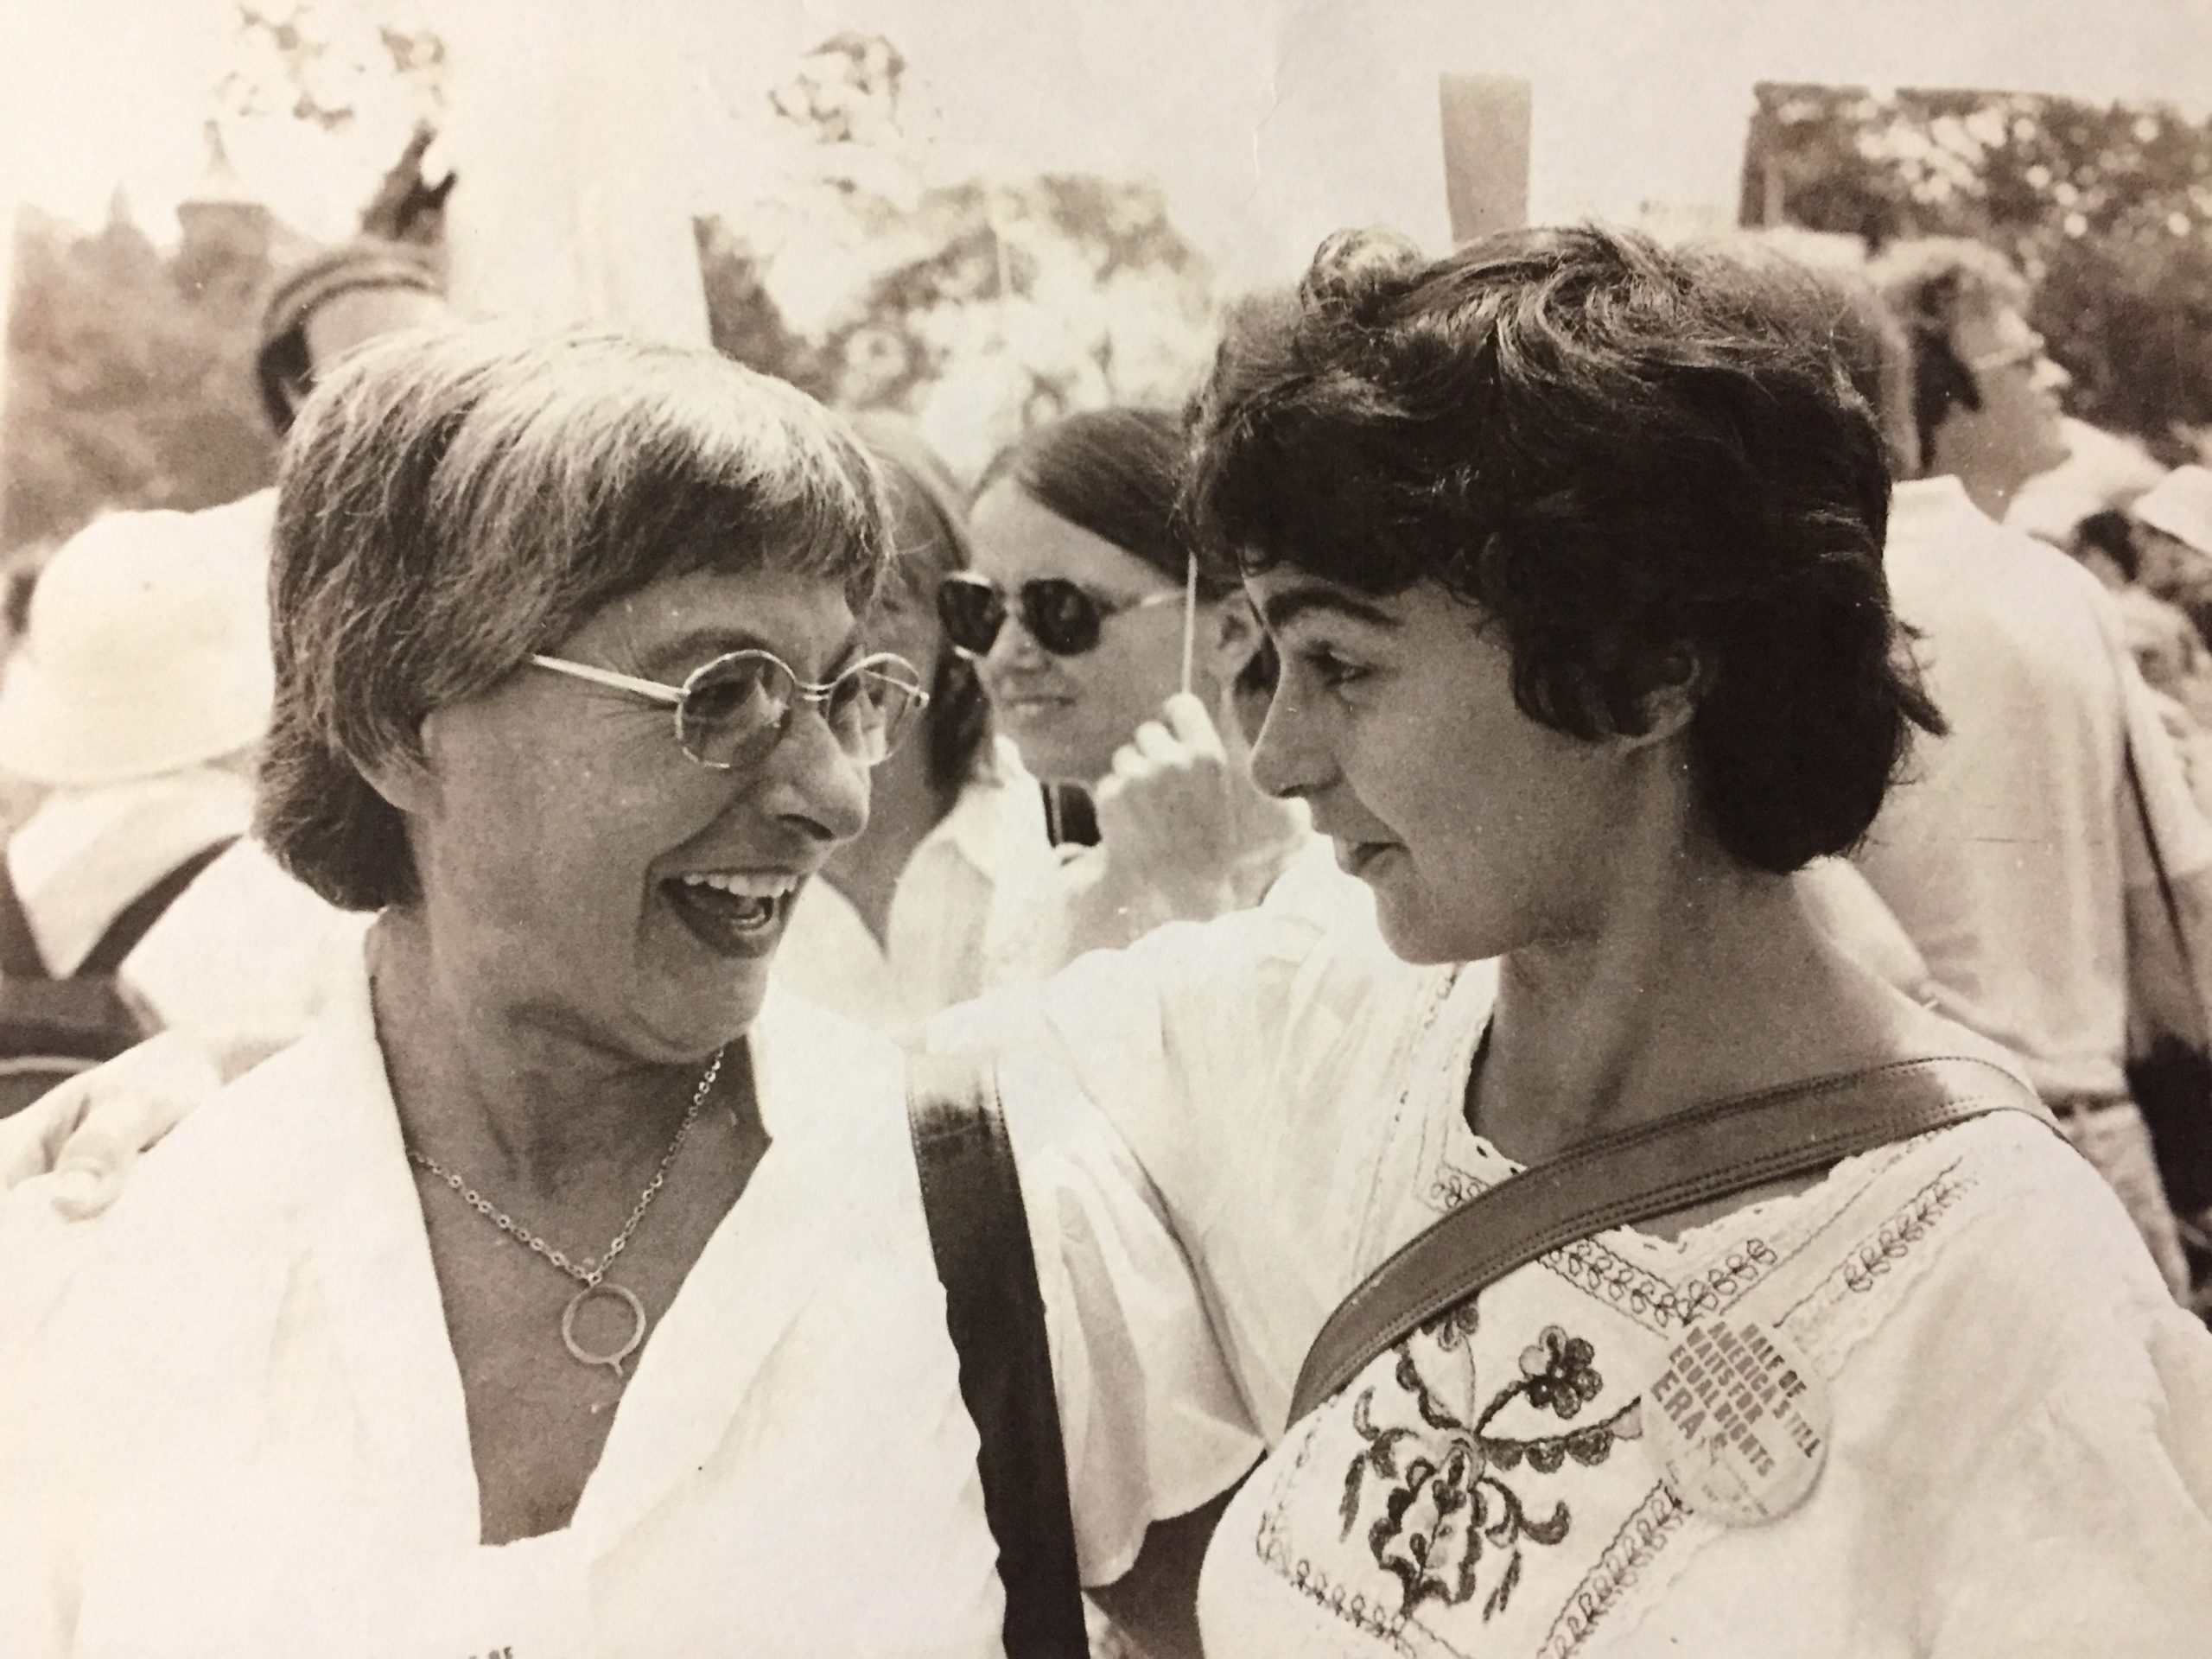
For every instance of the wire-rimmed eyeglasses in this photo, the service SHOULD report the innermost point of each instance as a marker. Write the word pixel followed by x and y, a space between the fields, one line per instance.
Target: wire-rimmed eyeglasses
pixel 732 711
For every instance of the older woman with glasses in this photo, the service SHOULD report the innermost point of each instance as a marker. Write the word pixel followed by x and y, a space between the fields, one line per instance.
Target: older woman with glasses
pixel 1119 672
pixel 565 1289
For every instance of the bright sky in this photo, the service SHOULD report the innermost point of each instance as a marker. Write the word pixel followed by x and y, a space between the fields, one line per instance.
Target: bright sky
pixel 1270 121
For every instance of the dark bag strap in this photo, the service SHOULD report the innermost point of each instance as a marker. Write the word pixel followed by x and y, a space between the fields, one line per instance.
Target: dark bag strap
pixel 979 1234
pixel 19 953
pixel 1709 1152
pixel 136 919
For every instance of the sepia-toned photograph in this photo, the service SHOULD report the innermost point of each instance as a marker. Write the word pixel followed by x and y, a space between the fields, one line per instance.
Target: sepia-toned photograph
pixel 1105 829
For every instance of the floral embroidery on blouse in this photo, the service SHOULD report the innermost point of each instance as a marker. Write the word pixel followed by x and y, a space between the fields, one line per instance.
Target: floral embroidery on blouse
pixel 1447 1504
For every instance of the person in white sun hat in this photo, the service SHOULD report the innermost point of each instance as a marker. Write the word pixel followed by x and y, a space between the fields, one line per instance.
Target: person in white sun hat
pixel 2174 521
pixel 136 696
pixel 137 659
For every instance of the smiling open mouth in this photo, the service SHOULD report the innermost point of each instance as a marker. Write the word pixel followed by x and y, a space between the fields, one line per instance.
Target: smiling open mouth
pixel 734 913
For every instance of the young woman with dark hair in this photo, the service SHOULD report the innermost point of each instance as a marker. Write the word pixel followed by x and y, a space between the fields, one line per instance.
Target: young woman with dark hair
pixel 1117 668
pixel 930 905
pixel 1572 548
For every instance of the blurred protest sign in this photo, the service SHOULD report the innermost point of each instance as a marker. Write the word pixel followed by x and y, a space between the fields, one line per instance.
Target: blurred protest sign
pixel 1485 119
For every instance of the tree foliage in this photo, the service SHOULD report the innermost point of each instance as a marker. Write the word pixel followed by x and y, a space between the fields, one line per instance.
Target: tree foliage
pixel 872 273
pixel 876 277
pixel 2106 208
pixel 322 64
pixel 130 370
pixel 129 376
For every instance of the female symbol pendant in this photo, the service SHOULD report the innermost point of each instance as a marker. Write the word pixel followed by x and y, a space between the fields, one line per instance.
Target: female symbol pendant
pixel 612 1360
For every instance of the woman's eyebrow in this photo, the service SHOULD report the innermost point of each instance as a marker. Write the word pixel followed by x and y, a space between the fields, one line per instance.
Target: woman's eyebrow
pixel 1283 608
pixel 695 647
pixel 680 653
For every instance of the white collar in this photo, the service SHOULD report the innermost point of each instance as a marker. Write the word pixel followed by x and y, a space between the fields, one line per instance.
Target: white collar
pixel 86 855
pixel 1919 505
pixel 997 822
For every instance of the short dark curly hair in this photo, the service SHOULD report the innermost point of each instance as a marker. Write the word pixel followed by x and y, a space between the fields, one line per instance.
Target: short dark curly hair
pixel 451 502
pixel 1631 459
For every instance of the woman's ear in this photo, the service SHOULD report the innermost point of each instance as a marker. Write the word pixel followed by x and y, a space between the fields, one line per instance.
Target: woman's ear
pixel 1674 680
pixel 407 780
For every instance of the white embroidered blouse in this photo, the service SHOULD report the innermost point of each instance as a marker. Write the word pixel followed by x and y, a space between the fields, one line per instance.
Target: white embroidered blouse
pixel 2019 1460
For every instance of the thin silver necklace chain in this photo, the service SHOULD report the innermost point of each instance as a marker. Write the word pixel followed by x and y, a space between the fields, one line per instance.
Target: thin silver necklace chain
pixel 587 1273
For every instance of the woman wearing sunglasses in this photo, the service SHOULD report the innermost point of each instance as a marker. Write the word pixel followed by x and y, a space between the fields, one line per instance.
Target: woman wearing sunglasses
pixel 925 907
pixel 565 1289
pixel 1083 620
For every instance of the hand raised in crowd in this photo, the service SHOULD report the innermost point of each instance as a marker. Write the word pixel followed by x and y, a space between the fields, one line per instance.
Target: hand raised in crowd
pixel 1180 821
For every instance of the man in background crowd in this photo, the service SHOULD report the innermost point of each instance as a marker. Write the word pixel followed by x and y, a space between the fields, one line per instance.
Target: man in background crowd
pixel 1985 395
pixel 2009 854
pixel 338 299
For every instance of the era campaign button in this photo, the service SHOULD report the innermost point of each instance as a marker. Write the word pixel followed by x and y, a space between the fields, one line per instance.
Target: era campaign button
pixel 1739 1420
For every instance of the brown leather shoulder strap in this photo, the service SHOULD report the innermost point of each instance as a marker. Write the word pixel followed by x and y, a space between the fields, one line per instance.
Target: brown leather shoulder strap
pixel 1655 1169
pixel 979 1232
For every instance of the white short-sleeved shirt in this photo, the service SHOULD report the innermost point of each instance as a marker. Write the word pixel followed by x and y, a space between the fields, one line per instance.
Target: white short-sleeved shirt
pixel 240 1429
pixel 2004 851
pixel 2022 1449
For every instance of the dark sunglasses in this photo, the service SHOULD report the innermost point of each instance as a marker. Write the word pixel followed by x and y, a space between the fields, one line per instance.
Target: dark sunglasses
pixel 1063 617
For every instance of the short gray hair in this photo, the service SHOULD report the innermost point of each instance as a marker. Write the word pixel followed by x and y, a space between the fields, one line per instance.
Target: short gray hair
pixel 452 501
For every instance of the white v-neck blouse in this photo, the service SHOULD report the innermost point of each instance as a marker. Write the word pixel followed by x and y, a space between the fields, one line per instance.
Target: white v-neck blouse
pixel 240 1431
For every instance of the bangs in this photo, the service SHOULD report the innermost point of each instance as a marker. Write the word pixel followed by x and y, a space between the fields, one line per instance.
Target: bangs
pixel 453 500
pixel 1358 502
pixel 589 479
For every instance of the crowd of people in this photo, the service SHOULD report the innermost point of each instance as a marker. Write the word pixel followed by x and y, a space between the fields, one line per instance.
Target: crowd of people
pixel 1552 769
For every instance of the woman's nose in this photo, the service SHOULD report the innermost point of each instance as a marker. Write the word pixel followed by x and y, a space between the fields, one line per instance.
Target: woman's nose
pixel 1287 760
pixel 814 784
pixel 1015 647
